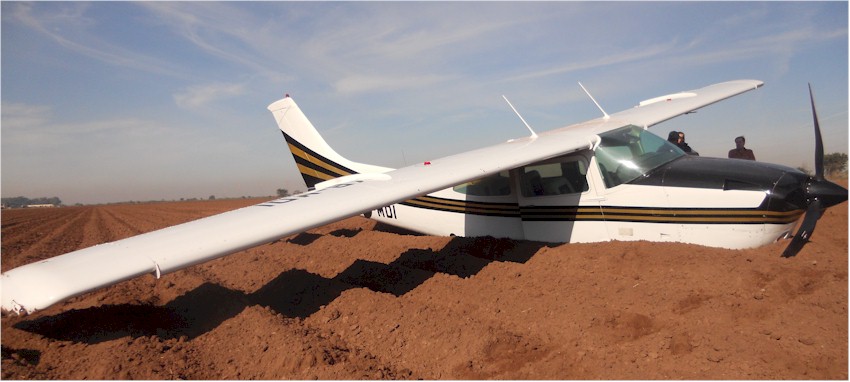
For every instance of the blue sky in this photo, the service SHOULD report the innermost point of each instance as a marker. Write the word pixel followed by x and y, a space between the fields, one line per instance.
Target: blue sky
pixel 118 101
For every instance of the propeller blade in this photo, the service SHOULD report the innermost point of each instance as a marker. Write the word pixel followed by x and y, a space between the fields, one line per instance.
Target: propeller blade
pixel 820 193
pixel 813 213
pixel 818 139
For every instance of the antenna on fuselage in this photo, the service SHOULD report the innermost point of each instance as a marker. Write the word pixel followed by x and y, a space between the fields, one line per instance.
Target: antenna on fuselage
pixel 605 115
pixel 533 134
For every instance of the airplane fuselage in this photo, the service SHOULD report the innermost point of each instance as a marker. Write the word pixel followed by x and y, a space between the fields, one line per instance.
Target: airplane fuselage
pixel 728 203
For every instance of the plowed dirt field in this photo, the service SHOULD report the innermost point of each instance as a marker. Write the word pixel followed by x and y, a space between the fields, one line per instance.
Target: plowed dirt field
pixel 353 300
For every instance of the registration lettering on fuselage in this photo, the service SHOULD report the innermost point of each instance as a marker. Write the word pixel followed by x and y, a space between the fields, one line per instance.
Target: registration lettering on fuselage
pixel 387 212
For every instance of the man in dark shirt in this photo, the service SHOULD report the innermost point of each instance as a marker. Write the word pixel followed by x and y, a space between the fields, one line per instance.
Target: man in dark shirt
pixel 741 152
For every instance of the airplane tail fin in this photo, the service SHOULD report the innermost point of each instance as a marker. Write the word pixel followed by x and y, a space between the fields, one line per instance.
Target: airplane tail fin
pixel 316 160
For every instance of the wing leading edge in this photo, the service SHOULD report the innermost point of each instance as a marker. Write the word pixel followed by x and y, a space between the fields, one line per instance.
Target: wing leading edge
pixel 41 284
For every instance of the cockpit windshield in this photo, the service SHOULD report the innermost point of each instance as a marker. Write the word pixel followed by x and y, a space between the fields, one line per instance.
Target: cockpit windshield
pixel 629 152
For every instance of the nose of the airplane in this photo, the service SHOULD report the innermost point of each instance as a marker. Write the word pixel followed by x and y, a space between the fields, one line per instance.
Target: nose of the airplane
pixel 827 192
pixel 820 194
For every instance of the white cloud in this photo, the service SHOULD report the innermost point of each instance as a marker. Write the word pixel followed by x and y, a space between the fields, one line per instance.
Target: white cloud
pixel 199 97
pixel 34 128
pixel 780 47
pixel 222 31
pixel 18 115
pixel 364 84
pixel 641 53
pixel 68 26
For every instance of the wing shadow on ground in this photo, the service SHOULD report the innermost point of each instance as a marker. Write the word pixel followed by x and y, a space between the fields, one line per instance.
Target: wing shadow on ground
pixel 294 293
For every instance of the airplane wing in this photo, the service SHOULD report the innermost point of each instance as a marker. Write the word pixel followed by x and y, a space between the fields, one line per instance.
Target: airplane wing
pixel 41 284
pixel 660 109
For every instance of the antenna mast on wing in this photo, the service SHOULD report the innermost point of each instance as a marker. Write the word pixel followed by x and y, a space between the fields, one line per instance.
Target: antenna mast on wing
pixel 533 134
pixel 605 115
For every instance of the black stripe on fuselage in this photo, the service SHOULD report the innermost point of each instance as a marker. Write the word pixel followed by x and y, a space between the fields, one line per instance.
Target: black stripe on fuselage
pixel 464 206
pixel 607 213
pixel 659 215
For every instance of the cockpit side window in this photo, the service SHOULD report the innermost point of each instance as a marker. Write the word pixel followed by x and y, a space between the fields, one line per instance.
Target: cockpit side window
pixel 627 153
pixel 566 176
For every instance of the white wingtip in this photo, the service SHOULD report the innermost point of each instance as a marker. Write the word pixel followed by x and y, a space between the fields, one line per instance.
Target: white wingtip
pixel 7 302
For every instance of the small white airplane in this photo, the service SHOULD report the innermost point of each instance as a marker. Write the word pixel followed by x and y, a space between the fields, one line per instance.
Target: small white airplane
pixel 600 180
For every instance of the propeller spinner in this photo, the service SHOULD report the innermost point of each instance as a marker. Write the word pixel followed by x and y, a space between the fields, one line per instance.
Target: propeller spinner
pixel 820 193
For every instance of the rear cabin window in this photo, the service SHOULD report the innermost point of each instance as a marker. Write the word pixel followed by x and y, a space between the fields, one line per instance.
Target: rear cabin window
pixel 493 185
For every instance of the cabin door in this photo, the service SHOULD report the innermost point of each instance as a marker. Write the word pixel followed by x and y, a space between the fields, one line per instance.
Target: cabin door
pixel 557 201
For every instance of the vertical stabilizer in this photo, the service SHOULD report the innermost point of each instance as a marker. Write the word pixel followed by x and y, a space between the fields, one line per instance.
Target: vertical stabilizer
pixel 316 160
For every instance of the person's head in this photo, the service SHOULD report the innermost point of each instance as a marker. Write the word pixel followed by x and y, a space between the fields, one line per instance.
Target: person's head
pixel 740 141
pixel 681 138
pixel 673 136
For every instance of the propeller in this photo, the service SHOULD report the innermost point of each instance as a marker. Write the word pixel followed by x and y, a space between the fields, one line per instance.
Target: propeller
pixel 820 193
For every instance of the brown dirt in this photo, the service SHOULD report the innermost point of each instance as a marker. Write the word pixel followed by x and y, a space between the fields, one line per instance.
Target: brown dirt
pixel 353 300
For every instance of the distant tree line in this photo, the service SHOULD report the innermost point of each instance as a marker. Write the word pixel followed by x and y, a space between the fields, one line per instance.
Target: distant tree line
pixel 834 165
pixel 20 201
pixel 282 192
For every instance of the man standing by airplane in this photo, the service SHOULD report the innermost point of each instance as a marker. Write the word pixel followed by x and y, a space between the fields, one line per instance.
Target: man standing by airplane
pixel 741 152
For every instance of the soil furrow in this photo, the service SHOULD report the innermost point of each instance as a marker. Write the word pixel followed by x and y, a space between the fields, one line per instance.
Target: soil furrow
pixel 58 234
